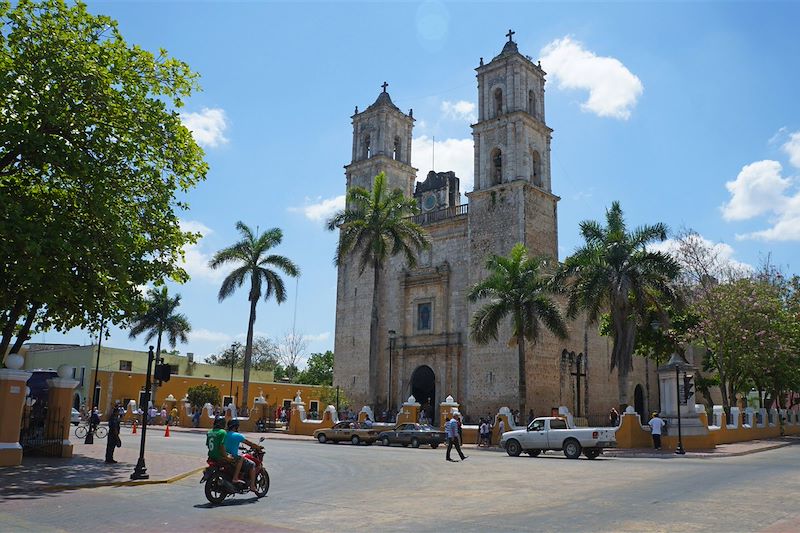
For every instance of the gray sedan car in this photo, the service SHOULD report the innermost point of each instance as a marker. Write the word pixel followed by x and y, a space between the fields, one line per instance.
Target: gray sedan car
pixel 412 434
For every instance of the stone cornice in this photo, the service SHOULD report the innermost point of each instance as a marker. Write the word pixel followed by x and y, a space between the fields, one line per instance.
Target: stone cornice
pixel 8 374
pixel 62 383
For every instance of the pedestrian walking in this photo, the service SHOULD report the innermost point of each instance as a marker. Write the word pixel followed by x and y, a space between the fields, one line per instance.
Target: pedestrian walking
pixel 114 440
pixel 656 426
pixel 451 430
pixel 613 417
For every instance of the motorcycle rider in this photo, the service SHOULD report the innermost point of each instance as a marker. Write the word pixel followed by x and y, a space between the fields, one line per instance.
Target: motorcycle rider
pixel 215 441
pixel 232 441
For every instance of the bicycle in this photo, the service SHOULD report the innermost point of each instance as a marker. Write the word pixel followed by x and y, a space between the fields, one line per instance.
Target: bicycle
pixel 100 431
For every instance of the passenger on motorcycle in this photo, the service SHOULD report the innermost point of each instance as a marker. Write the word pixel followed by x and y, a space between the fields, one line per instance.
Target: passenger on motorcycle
pixel 215 441
pixel 232 441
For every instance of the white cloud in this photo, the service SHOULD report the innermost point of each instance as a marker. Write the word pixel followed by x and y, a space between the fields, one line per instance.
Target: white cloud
pixel 451 154
pixel 461 110
pixel 205 335
pixel 207 127
pixel 721 251
pixel 792 148
pixel 319 337
pixel 195 260
pixel 322 210
pixel 759 188
pixel 613 89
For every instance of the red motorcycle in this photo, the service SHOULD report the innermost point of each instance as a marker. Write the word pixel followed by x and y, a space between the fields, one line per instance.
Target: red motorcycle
pixel 218 478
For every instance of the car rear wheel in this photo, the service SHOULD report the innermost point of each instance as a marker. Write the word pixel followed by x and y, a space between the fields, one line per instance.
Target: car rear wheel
pixel 572 449
pixel 534 453
pixel 513 448
pixel 415 442
pixel 355 440
pixel 591 453
pixel 322 438
pixel 385 441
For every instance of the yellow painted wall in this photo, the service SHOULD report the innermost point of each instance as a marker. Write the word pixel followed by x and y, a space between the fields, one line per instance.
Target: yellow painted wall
pixel 86 357
pixel 127 385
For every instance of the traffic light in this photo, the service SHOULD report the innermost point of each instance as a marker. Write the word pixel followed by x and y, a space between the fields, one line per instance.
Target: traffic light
pixel 162 372
pixel 688 387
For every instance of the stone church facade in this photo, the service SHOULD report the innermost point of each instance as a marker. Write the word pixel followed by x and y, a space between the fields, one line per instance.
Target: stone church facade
pixel 424 313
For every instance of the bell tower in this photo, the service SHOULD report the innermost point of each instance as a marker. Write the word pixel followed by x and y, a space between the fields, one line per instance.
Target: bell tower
pixel 512 185
pixel 382 143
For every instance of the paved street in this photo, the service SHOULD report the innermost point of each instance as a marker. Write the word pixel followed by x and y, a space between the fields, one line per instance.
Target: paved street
pixel 345 488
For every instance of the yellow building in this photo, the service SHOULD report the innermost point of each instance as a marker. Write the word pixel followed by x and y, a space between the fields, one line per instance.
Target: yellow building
pixel 121 377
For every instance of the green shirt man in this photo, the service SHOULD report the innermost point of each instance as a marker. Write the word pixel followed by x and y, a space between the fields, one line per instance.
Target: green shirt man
pixel 215 441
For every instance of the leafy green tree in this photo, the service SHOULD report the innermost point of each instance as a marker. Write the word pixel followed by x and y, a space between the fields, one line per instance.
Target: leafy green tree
pixel 250 255
pixel 264 355
pixel 200 395
pixel 159 318
pixel 92 154
pixel 319 370
pixel 516 287
pixel 374 226
pixel 614 270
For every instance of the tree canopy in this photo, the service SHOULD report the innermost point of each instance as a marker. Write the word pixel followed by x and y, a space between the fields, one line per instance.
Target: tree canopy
pixel 92 156
pixel 318 371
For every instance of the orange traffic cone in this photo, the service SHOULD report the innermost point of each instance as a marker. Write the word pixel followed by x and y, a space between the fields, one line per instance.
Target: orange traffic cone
pixel 134 428
pixel 166 431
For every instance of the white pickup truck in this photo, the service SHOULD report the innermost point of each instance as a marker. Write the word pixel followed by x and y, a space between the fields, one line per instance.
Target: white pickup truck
pixel 552 433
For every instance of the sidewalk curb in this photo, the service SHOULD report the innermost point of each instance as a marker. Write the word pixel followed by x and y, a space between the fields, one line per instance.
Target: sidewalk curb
pixel 129 483
pixel 694 455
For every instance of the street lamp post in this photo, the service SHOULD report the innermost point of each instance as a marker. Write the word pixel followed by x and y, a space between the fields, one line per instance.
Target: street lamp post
pixel 679 450
pixel 233 361
pixel 677 363
pixel 392 338
pixel 90 434
pixel 140 471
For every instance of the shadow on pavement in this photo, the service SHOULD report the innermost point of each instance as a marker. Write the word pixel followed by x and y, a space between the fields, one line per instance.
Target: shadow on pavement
pixel 228 503
pixel 38 473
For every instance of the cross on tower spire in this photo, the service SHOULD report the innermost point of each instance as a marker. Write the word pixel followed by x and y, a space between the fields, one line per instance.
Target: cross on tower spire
pixel 385 85
pixel 510 34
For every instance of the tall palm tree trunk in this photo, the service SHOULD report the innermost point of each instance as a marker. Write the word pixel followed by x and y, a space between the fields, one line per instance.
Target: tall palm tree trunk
pixel 523 378
pixel 248 355
pixel 373 339
pixel 624 338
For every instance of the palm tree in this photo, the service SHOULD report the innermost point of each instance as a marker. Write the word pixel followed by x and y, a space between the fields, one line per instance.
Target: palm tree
pixel 158 318
pixel 376 225
pixel 250 256
pixel 615 271
pixel 516 286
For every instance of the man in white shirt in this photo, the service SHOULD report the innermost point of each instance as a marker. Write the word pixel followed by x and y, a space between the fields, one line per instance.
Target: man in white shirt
pixel 656 426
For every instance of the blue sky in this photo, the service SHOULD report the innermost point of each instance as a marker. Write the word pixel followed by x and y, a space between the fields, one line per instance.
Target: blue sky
pixel 686 113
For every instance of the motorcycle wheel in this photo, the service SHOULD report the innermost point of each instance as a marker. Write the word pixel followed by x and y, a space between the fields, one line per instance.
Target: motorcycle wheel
pixel 215 492
pixel 262 483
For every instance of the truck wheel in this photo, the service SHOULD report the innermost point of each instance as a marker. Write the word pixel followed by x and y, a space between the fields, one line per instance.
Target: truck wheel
pixel 572 449
pixel 513 448
pixel 591 453
pixel 534 453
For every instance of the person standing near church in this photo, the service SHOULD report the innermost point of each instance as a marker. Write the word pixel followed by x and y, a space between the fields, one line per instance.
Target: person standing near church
pixel 451 431
pixel 656 426
pixel 113 440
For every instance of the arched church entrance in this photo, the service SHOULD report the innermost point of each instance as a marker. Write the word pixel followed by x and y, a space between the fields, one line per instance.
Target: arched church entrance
pixel 76 401
pixel 638 403
pixel 423 388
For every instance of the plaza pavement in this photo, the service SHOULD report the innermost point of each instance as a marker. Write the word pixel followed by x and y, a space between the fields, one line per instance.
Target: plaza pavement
pixel 340 487
pixel 87 469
